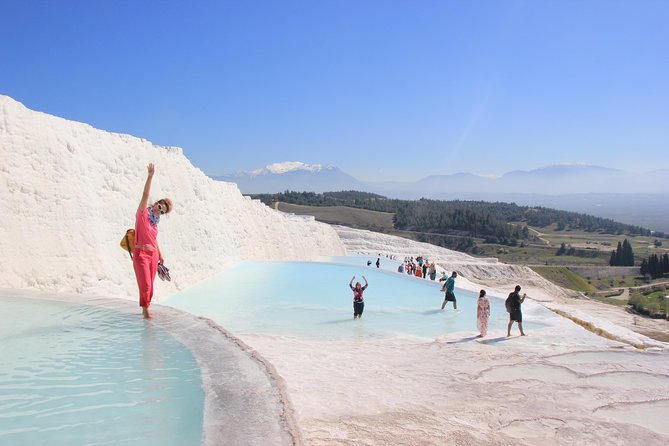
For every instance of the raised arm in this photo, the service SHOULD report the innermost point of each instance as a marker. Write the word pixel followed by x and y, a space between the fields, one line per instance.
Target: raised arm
pixel 365 280
pixel 147 187
pixel 351 282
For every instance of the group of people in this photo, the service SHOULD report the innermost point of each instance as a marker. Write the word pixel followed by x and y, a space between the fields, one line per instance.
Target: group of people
pixel 420 267
pixel 513 303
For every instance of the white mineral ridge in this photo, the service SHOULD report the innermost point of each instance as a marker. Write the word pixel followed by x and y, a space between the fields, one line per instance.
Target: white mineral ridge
pixel 69 191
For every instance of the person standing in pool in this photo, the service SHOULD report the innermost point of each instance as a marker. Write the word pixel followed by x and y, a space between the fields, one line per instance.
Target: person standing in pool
pixel 433 271
pixel 146 255
pixel 515 313
pixel 449 287
pixel 482 313
pixel 358 301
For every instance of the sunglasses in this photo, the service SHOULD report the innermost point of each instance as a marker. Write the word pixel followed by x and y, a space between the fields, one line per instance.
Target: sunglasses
pixel 162 208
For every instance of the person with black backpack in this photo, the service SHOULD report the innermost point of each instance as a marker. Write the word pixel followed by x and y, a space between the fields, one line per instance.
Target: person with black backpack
pixel 513 303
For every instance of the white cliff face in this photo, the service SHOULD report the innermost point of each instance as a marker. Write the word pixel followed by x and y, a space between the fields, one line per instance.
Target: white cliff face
pixel 69 191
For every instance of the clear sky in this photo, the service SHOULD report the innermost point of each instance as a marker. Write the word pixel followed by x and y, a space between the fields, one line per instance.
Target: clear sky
pixel 381 89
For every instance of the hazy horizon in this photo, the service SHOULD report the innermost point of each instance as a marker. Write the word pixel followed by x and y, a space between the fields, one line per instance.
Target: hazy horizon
pixel 419 177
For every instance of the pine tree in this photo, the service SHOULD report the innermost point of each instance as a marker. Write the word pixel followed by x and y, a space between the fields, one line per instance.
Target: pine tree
pixel 653 266
pixel 612 260
pixel 644 267
pixel 627 254
pixel 619 254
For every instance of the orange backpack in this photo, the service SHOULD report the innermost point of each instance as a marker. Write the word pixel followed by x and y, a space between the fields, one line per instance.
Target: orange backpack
pixel 128 241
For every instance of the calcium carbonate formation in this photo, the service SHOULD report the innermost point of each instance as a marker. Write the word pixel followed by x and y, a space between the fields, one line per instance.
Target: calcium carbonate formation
pixel 69 191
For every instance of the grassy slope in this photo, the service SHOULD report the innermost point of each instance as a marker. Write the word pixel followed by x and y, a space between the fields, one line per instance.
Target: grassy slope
pixel 652 300
pixel 563 276
pixel 346 216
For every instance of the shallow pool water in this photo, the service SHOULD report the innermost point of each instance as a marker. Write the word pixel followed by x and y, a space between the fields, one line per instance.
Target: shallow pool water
pixel 313 300
pixel 360 260
pixel 81 375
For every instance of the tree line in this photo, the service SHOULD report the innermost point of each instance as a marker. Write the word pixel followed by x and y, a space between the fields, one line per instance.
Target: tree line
pixel 453 217
pixel 655 266
pixel 497 222
pixel 623 255
pixel 354 199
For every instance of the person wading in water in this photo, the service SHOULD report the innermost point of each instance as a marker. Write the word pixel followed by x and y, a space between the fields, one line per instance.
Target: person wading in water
pixel 358 301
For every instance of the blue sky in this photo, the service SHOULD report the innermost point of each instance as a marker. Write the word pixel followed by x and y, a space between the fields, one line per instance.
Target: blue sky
pixel 382 89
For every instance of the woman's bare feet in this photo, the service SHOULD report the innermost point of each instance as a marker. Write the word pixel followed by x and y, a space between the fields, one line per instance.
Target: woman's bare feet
pixel 146 314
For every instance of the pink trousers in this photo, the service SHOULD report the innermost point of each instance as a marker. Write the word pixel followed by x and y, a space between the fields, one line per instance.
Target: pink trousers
pixel 145 264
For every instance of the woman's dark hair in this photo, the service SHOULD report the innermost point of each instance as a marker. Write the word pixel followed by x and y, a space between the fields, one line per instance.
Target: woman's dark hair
pixel 482 293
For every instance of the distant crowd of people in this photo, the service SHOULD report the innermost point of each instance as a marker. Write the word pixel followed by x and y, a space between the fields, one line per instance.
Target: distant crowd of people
pixel 419 267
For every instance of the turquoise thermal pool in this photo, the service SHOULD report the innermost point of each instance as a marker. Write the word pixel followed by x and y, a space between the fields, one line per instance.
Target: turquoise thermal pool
pixel 313 300
pixel 73 374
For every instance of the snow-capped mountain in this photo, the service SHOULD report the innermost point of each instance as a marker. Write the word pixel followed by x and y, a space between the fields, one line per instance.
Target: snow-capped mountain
pixel 293 175
pixel 289 166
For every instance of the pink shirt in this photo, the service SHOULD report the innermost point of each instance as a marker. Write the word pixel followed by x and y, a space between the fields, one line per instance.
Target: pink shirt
pixel 145 233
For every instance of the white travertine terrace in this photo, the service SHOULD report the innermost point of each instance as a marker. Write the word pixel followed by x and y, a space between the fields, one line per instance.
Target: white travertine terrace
pixel 69 191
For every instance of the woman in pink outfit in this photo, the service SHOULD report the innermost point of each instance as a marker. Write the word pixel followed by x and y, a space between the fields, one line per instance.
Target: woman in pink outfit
pixel 147 255
pixel 482 314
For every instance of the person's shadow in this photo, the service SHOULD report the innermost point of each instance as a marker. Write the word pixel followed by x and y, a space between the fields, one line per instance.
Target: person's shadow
pixel 338 321
pixel 459 341
pixel 493 340
pixel 428 312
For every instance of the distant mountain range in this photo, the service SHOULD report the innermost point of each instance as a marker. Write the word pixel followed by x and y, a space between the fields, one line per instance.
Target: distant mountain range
pixel 550 180
pixel 640 199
